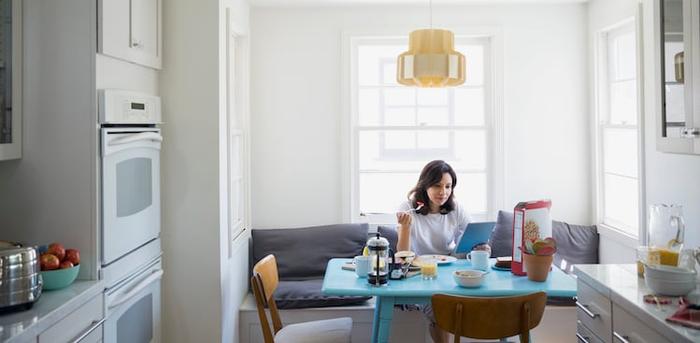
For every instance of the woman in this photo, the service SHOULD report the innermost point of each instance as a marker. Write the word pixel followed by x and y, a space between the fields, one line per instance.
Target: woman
pixel 431 222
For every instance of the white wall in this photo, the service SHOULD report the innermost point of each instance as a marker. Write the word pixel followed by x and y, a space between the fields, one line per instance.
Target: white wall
pixel 297 115
pixel 670 178
pixel 201 288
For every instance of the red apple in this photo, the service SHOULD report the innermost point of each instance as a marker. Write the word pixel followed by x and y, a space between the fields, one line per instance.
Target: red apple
pixel 66 265
pixel 73 255
pixel 57 250
pixel 49 262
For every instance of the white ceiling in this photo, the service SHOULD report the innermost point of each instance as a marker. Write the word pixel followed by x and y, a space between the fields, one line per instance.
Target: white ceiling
pixel 310 3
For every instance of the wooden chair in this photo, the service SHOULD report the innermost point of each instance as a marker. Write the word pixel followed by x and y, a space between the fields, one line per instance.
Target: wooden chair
pixel 489 318
pixel 264 283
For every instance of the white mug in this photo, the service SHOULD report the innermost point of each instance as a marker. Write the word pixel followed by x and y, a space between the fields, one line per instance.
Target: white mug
pixel 479 259
pixel 362 264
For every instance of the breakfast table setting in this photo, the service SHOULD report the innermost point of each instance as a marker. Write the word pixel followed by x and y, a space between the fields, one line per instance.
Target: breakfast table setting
pixel 475 276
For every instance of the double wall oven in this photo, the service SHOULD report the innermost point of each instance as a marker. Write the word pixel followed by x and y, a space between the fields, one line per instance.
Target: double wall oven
pixel 130 191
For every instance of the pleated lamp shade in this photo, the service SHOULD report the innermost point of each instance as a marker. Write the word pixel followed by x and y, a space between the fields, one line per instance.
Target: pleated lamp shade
pixel 431 60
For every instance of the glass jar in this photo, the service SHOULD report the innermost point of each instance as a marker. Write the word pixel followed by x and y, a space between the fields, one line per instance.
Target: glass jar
pixel 666 232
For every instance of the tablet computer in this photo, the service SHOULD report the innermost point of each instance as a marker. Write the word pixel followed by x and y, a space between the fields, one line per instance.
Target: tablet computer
pixel 475 233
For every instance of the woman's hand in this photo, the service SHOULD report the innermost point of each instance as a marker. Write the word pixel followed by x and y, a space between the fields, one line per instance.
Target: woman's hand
pixel 404 219
pixel 404 230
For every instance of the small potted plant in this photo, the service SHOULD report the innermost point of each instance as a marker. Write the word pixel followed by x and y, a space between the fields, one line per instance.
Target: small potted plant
pixel 538 256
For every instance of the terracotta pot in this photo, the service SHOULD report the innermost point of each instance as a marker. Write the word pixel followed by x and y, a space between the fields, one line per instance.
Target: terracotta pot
pixel 537 266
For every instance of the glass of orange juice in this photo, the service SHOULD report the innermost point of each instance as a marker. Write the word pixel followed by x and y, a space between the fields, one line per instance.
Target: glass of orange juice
pixel 428 269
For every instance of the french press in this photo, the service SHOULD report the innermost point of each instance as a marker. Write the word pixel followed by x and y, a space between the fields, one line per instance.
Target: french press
pixel 378 252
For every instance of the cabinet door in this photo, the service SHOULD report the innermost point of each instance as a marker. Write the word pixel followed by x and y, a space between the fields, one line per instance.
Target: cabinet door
pixel 629 329
pixel 131 30
pixel 84 325
pixel 10 80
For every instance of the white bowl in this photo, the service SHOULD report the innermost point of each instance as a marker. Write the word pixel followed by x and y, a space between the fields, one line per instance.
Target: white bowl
pixel 669 287
pixel 469 278
pixel 669 273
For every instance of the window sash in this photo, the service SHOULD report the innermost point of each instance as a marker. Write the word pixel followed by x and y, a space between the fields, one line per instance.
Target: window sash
pixel 357 129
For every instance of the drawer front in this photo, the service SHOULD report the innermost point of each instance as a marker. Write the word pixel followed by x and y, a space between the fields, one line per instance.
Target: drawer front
pixel 627 328
pixel 76 324
pixel 584 335
pixel 594 311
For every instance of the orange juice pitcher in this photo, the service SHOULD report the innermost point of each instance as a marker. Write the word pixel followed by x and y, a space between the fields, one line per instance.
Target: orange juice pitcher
pixel 666 232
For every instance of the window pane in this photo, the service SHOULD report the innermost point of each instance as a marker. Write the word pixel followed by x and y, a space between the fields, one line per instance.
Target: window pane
pixel 471 192
pixel 474 57
pixel 368 106
pixel 400 116
pixel 399 152
pixel 389 72
pixel 469 106
pixel 432 96
pixel 621 203
pixel 399 140
pixel 384 192
pixel 433 116
pixel 623 102
pixel 370 59
pixel 620 151
pixel 623 51
pixel 400 96
pixel 433 140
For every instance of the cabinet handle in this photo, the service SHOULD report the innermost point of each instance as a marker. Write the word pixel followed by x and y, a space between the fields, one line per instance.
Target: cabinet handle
pixel 623 339
pixel 94 325
pixel 585 309
pixel 582 338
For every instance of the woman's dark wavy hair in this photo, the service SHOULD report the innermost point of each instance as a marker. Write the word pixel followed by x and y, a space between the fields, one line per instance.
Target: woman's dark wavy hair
pixel 429 176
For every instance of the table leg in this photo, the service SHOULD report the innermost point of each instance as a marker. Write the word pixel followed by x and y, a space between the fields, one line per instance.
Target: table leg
pixel 383 312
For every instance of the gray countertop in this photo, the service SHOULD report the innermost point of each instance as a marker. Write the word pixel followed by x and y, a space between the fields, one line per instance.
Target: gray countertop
pixel 620 283
pixel 50 308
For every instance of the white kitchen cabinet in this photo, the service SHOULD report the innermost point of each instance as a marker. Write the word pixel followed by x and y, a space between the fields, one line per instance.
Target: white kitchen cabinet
pixel 83 325
pixel 10 80
pixel 629 329
pixel 131 30
pixel 677 79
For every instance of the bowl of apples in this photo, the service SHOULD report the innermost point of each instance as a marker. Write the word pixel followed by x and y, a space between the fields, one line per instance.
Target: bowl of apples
pixel 59 266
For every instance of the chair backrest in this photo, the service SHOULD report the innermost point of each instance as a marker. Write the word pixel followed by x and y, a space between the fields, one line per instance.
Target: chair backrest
pixel 489 318
pixel 264 283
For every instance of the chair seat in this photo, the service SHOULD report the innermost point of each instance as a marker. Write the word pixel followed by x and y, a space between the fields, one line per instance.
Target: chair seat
pixel 319 331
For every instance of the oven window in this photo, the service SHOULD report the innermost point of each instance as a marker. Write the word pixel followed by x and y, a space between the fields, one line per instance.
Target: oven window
pixel 136 324
pixel 134 189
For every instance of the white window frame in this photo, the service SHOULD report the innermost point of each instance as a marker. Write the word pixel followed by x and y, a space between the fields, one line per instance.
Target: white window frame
pixel 237 127
pixel 611 229
pixel 494 123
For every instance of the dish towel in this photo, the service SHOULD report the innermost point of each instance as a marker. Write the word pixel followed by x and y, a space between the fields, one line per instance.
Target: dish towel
pixel 687 315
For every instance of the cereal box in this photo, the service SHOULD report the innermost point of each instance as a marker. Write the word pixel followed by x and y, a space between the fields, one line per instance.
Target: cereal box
pixel 531 221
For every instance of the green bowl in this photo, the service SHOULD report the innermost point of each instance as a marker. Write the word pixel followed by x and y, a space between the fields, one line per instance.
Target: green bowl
pixel 59 278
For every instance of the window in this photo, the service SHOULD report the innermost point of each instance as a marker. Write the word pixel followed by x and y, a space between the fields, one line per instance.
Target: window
pixel 618 131
pixel 396 130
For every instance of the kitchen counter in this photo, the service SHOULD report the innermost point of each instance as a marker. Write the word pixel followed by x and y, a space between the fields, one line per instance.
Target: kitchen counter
pixel 620 283
pixel 50 308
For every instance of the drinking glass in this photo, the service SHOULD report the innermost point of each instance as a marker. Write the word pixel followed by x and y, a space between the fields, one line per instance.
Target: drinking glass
pixel 428 269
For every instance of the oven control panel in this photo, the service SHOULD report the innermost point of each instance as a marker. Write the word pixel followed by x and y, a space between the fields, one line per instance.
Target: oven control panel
pixel 125 107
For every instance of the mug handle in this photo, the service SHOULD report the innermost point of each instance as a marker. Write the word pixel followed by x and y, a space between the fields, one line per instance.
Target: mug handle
pixel 469 256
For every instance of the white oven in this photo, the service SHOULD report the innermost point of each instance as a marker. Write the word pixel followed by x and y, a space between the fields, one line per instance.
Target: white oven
pixel 130 189
pixel 133 307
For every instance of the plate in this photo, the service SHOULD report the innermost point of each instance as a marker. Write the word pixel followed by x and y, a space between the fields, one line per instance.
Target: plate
pixel 494 267
pixel 441 259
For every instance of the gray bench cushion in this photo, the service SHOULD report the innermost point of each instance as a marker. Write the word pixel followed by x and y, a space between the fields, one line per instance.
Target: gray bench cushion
pixel 576 244
pixel 303 253
pixel 307 293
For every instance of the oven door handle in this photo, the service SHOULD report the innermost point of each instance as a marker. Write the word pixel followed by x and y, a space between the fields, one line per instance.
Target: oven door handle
pixel 138 288
pixel 143 136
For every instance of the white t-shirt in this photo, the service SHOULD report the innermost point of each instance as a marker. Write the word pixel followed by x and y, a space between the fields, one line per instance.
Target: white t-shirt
pixel 436 233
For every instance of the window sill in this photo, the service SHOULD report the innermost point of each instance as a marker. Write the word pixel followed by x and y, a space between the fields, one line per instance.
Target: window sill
pixel 618 236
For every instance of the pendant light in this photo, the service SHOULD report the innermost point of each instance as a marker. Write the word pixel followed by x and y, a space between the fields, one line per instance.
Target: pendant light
pixel 431 60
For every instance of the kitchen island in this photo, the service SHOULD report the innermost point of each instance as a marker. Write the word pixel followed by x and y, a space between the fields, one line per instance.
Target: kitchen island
pixel 68 312
pixel 611 308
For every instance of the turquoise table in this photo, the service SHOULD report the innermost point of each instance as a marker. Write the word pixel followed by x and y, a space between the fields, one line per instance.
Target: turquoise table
pixel 418 291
